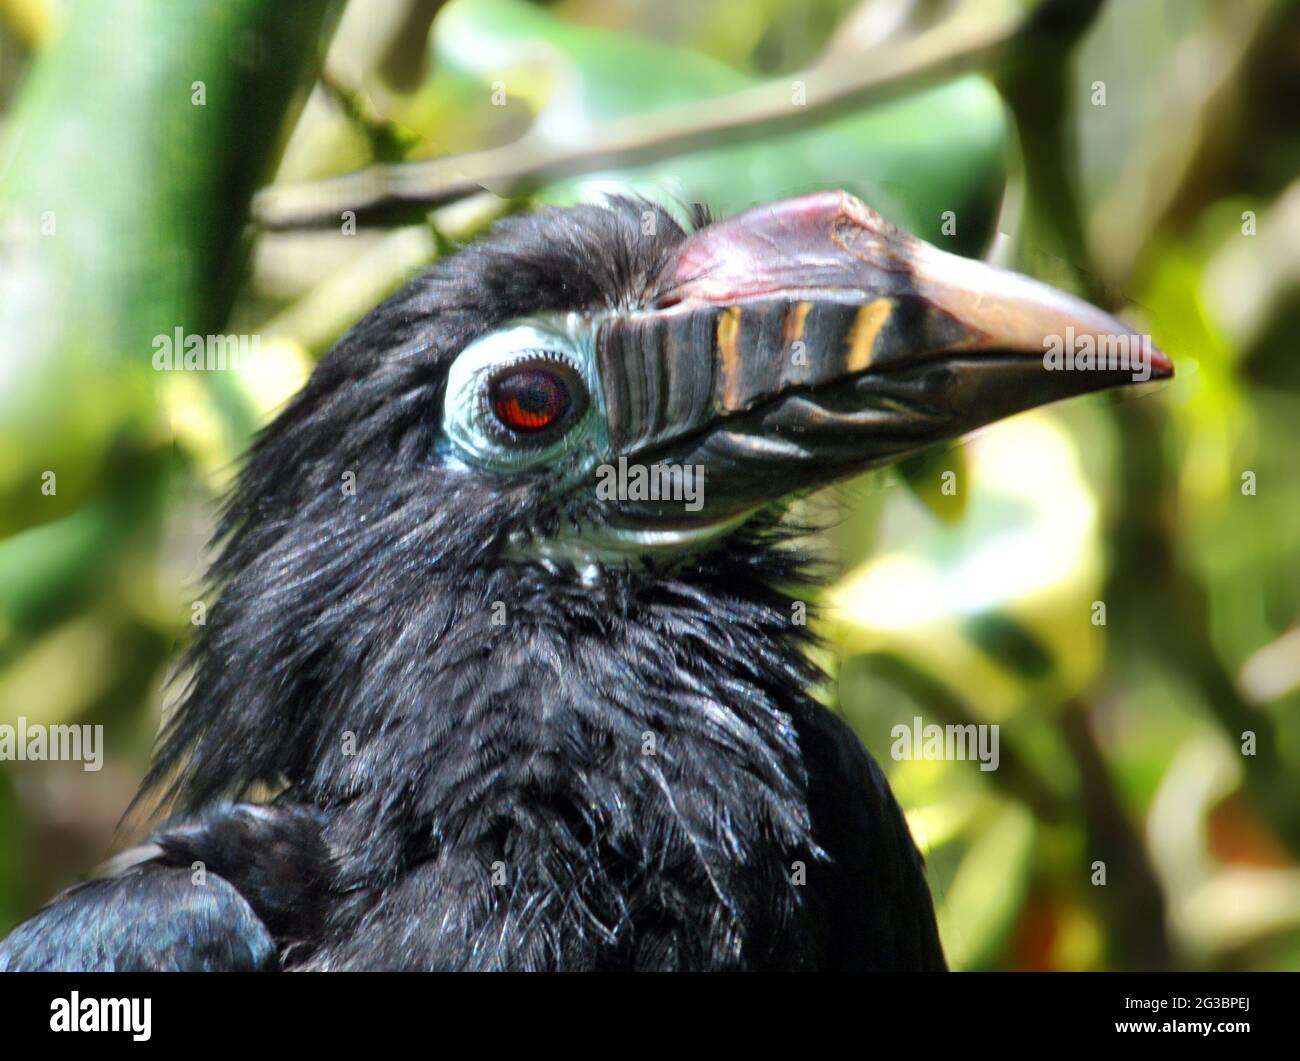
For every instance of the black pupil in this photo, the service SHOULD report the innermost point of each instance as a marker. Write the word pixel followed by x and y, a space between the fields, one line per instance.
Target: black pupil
pixel 530 400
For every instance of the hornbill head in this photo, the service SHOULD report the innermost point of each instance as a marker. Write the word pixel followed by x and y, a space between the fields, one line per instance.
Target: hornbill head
pixel 758 357
pixel 455 450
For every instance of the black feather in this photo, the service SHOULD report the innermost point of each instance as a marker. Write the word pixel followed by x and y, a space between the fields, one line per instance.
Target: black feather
pixel 629 773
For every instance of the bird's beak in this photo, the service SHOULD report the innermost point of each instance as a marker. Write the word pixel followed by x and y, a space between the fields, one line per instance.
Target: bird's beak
pixel 806 340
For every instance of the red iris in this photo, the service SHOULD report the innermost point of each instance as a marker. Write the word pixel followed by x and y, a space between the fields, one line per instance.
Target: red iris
pixel 530 399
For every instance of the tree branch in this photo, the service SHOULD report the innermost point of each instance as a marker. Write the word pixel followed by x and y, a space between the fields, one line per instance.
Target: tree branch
pixel 964 42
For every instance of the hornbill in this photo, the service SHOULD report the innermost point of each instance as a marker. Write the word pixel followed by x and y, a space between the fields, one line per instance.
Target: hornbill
pixel 457 707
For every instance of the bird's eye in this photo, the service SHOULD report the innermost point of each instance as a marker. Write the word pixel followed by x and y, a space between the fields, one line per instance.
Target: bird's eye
pixel 534 397
pixel 518 398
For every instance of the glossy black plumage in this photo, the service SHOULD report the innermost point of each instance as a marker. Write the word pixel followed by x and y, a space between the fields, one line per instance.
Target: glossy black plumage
pixel 629 772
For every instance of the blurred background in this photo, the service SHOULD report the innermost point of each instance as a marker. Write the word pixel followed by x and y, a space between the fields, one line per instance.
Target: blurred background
pixel 1115 581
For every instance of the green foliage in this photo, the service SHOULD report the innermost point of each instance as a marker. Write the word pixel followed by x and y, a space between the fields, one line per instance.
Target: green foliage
pixel 973 573
pixel 127 165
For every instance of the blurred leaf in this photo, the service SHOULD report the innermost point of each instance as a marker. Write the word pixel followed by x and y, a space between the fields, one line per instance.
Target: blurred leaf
pixel 121 214
pixel 1002 638
pixel 933 476
pixel 913 159
pixel 957 599
pixel 979 909
pixel 48 572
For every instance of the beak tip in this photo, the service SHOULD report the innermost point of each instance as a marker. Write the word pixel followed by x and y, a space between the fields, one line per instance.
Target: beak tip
pixel 1161 366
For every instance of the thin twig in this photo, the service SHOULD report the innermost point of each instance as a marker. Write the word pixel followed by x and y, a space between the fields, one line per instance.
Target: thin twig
pixel 963 43
pixel 1135 907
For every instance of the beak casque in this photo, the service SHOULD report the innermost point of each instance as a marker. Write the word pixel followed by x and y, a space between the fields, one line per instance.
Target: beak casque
pixel 802 341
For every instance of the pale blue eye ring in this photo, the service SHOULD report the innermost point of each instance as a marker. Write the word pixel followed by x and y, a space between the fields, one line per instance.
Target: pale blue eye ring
pixel 472 416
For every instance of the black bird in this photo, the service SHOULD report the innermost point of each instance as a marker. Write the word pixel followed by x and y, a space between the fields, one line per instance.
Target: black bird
pixel 502 708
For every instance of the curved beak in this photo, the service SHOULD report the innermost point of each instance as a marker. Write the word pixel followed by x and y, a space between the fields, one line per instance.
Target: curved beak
pixel 803 341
